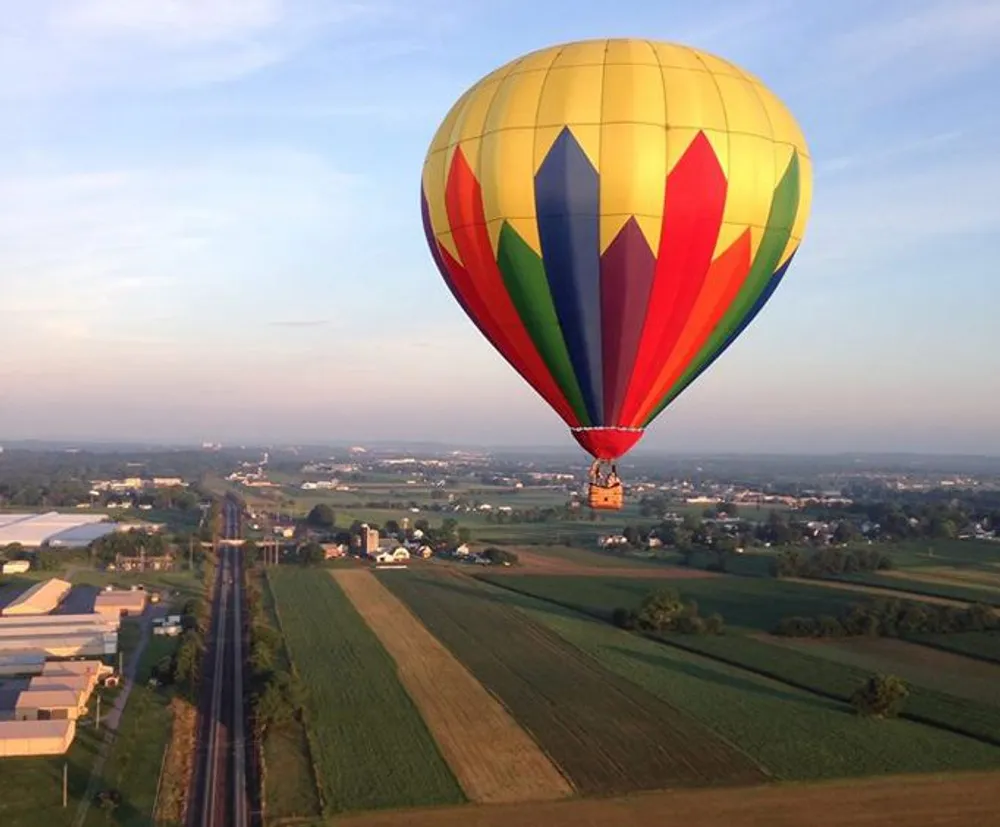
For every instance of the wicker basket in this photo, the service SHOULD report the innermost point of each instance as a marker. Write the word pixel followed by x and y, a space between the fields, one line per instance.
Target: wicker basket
pixel 606 497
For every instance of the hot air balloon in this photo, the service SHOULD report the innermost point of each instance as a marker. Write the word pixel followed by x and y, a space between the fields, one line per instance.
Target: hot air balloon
pixel 611 215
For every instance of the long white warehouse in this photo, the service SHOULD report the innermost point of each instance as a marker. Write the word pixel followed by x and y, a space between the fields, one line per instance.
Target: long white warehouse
pixel 53 528
pixel 40 599
pixel 18 738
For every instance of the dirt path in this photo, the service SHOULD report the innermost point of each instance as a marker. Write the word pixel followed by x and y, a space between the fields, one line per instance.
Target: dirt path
pixel 493 759
pixel 878 591
pixel 905 801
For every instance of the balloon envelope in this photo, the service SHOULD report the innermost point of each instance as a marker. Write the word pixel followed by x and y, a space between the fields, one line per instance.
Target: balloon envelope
pixel 612 215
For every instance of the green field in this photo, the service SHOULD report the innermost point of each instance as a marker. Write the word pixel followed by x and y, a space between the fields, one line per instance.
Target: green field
pixel 758 604
pixel 133 764
pixel 607 734
pixel 31 788
pixel 980 645
pixel 289 779
pixel 369 744
pixel 952 591
pixel 960 553
pixel 753 603
pixel 794 734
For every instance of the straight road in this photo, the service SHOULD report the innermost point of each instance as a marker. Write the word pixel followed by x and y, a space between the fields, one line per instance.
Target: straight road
pixel 222 793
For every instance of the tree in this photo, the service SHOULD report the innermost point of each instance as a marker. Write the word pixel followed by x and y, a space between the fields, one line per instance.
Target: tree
pixel 845 532
pixel 311 554
pixel 251 553
pixel 881 696
pixel 321 516
pixel 392 528
pixel 449 525
pixel 464 535
pixel 659 610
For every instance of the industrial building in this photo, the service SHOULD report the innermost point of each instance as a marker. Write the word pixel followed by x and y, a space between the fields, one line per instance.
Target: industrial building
pixel 60 636
pixel 29 662
pixel 53 529
pixel 49 705
pixel 20 738
pixel 118 602
pixel 40 599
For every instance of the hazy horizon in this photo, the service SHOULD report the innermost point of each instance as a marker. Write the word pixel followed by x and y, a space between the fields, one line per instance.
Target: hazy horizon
pixel 212 227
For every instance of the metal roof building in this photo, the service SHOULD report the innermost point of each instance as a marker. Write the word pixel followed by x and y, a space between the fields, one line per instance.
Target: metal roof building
pixel 40 599
pixel 49 705
pixel 95 643
pixel 117 602
pixel 43 624
pixel 33 530
pixel 31 662
pixel 20 738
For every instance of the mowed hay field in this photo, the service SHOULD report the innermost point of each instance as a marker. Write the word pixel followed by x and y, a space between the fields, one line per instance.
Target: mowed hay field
pixel 914 801
pixel 739 687
pixel 607 734
pixel 370 746
pixel 492 757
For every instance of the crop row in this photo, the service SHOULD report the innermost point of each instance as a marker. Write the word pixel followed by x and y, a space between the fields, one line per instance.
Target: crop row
pixel 607 734
pixel 814 674
pixel 370 746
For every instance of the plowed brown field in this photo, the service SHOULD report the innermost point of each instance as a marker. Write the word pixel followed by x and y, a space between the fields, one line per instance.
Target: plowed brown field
pixel 533 562
pixel 493 759
pixel 908 801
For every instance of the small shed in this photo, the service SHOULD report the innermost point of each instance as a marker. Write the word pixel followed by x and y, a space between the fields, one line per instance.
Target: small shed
pixel 25 738
pixel 119 602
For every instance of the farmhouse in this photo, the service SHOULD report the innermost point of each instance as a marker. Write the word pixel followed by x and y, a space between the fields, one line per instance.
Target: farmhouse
pixel 398 555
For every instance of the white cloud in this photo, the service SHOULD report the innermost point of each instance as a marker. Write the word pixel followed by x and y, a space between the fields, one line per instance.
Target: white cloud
pixel 50 47
pixel 170 21
pixel 899 55
pixel 85 255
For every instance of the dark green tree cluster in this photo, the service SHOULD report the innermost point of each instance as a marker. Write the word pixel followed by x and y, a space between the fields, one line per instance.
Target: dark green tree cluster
pixel 829 561
pixel 499 556
pixel 276 695
pixel 881 696
pixel 893 618
pixel 664 611
pixel 182 669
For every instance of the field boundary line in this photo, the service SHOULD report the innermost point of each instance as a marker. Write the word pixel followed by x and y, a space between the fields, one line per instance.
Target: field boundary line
pixel 493 757
pixel 765 673
pixel 933 644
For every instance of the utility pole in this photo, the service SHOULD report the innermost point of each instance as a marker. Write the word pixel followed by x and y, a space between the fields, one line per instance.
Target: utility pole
pixel 65 784
pixel 97 721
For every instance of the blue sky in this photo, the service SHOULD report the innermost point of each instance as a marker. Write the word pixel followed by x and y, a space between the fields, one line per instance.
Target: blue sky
pixel 210 222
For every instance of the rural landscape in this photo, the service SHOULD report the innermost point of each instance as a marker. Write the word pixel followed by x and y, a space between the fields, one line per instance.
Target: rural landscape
pixel 417 413
pixel 409 654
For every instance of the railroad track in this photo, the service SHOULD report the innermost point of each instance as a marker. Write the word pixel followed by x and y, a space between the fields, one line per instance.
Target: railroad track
pixel 222 793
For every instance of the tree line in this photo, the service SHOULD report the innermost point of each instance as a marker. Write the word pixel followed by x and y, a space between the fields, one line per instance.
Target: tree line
pixel 892 618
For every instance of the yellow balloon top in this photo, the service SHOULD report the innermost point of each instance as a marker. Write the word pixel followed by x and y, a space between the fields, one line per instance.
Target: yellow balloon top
pixel 634 107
